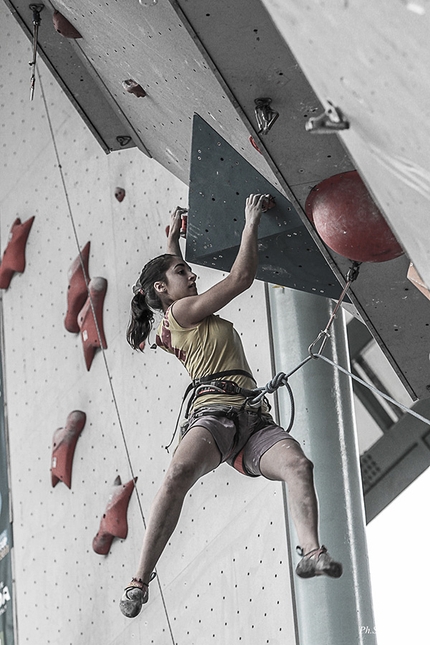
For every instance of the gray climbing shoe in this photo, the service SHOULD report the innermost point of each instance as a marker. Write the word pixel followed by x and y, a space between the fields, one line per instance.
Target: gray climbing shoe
pixel 317 563
pixel 134 597
pixel 132 600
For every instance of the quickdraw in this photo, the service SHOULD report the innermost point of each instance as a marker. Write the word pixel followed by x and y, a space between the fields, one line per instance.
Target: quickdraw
pixel 281 378
pixel 36 9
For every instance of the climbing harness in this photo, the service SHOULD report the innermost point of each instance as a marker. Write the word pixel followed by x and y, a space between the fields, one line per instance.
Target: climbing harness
pixel 36 9
pixel 211 384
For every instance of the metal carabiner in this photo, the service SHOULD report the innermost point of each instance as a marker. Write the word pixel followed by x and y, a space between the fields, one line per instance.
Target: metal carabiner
pixel 264 115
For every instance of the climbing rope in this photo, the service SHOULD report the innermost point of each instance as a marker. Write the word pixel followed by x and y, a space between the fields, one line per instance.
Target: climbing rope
pixel 99 336
pixel 374 389
pixel 281 379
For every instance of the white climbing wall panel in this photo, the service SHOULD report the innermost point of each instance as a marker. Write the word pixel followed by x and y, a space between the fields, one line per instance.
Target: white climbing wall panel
pixel 224 577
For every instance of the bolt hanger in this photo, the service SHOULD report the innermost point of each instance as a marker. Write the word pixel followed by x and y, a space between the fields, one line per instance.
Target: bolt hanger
pixel 37 10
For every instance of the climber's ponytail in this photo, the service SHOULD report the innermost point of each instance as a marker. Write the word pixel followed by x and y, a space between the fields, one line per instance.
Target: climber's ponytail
pixel 145 300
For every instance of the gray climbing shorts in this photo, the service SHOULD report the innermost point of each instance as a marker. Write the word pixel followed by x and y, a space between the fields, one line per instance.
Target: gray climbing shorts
pixel 241 435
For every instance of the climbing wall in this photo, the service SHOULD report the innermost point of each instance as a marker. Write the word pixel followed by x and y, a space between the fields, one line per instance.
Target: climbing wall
pixel 225 574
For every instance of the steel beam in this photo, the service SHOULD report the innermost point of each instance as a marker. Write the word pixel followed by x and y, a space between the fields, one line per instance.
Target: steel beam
pixel 328 610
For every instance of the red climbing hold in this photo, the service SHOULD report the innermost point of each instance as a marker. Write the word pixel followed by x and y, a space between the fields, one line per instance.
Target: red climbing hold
pixel 114 521
pixel 13 260
pixel 92 332
pixel 348 220
pixel 77 292
pixel 64 27
pixel 132 87
pixel 254 144
pixel 183 231
pixel 63 448
pixel 119 193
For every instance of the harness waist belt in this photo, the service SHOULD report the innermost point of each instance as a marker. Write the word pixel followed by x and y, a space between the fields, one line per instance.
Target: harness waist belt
pixel 210 385
pixel 227 387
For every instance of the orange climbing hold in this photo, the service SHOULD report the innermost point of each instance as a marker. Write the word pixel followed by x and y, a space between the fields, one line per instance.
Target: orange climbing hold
pixel 13 260
pixel 348 220
pixel 77 292
pixel 91 325
pixel 114 521
pixel 63 448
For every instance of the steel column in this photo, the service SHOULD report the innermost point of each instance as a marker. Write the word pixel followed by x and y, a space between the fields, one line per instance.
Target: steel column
pixel 328 611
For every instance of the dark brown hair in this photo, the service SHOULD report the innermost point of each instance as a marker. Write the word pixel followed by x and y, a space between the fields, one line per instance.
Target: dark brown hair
pixel 146 299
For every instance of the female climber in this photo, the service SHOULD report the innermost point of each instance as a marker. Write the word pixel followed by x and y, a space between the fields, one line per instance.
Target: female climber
pixel 222 426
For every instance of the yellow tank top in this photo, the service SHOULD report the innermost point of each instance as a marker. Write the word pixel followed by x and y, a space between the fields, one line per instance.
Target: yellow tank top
pixel 212 346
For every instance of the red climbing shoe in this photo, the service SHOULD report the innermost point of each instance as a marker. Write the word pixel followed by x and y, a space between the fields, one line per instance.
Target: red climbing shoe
pixel 134 597
pixel 317 563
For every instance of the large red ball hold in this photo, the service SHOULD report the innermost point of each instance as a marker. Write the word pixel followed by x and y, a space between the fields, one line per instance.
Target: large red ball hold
pixel 348 220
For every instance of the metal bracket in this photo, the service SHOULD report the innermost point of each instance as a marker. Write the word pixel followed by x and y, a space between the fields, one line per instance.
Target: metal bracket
pixel 332 120
pixel 264 115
